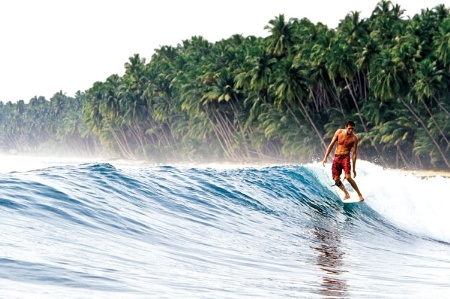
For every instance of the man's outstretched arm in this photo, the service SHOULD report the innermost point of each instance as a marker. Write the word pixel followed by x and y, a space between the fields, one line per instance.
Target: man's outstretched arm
pixel 354 156
pixel 330 147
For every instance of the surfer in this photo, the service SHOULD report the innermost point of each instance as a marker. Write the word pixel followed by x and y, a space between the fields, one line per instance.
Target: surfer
pixel 346 140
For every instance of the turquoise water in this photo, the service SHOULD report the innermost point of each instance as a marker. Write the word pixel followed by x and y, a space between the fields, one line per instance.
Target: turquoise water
pixel 105 230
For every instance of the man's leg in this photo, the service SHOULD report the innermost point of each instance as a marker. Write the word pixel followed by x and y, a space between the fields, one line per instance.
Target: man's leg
pixel 355 187
pixel 341 186
pixel 336 171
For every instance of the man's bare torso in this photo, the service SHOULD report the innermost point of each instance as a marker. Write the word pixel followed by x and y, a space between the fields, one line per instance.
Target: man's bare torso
pixel 345 142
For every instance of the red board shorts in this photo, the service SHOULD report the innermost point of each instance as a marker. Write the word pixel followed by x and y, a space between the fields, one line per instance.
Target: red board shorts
pixel 340 162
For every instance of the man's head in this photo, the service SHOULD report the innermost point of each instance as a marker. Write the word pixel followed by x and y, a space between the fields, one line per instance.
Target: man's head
pixel 349 123
pixel 350 126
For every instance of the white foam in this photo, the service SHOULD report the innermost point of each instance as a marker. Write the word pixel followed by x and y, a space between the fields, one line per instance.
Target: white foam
pixel 419 205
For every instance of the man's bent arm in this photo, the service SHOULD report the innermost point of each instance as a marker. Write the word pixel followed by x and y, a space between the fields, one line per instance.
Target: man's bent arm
pixel 330 147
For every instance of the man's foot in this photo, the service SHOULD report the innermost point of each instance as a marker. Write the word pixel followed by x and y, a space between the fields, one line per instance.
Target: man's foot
pixel 361 198
pixel 347 196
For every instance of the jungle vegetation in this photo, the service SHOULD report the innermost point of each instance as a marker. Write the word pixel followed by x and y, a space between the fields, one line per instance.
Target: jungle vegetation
pixel 277 98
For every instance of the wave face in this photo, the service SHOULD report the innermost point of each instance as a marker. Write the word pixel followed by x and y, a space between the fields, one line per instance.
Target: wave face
pixel 95 230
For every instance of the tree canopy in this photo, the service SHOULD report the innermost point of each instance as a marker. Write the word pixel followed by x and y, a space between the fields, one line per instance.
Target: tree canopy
pixel 278 98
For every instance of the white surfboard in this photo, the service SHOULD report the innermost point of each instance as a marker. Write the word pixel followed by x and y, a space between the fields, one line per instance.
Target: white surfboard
pixel 353 198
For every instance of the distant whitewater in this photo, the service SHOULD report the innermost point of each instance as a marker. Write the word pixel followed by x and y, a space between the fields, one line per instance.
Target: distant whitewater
pixel 112 230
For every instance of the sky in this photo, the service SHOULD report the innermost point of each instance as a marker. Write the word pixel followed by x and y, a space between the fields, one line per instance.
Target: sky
pixel 48 46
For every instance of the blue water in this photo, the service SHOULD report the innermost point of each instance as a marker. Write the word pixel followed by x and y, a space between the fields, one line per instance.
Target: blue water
pixel 101 230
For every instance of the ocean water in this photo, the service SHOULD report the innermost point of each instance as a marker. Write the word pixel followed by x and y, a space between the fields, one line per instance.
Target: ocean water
pixel 113 230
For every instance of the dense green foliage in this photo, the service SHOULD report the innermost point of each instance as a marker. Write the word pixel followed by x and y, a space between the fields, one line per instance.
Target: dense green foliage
pixel 279 98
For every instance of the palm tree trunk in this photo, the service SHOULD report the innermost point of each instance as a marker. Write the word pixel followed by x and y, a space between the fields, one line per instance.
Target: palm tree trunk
pixel 434 121
pixel 126 152
pixel 240 126
pixel 225 127
pixel 135 129
pixel 441 106
pixel 336 97
pixel 223 144
pixel 402 156
pixel 306 115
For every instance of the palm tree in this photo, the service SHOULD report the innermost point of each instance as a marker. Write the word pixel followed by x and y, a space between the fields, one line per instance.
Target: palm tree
pixel 385 23
pixel 280 40
pixel 426 130
pixel 291 89
pixel 442 42
pixel 323 86
pixel 388 77
pixel 429 80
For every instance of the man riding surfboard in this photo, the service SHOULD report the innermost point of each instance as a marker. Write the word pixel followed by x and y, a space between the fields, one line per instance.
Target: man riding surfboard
pixel 346 140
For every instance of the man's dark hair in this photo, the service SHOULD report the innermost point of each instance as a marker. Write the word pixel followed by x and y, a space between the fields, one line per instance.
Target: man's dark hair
pixel 350 123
